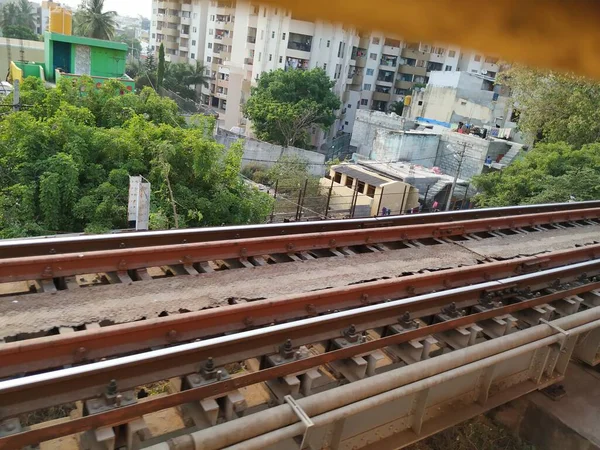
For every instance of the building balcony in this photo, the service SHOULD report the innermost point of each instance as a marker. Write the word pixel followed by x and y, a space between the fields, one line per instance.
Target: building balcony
pixel 381 96
pixel 364 42
pixel 361 61
pixel 413 70
pixel 401 84
pixel 413 54
pixel 186 21
pixel 387 67
pixel 173 19
pixel 227 26
pixel 183 48
pixel 225 40
pixel 389 50
pixel 384 83
pixel 170 31
pixel 169 5
pixel 184 35
pixel 221 95
pixel 357 79
pixel 186 7
pixel 223 83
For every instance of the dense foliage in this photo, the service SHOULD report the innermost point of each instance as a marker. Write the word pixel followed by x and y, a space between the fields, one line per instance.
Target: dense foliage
pixel 556 107
pixel 92 21
pixel 65 163
pixel 285 104
pixel 548 173
pixel 17 20
pixel 562 111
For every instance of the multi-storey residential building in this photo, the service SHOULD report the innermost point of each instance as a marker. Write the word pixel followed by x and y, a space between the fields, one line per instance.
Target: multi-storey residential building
pixel 474 62
pixel 237 41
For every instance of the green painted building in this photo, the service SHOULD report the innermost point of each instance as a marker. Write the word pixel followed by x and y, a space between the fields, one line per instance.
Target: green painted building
pixel 73 56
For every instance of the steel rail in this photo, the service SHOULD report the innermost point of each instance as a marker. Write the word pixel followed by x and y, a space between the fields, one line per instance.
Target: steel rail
pixel 51 266
pixel 19 248
pixel 23 394
pixel 73 348
pixel 124 414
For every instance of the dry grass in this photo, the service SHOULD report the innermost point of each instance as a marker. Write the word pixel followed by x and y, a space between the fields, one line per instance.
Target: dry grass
pixel 46 414
pixel 480 433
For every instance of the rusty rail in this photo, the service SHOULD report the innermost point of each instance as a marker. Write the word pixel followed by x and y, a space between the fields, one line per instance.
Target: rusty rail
pixel 19 248
pixel 56 351
pixel 28 390
pixel 51 266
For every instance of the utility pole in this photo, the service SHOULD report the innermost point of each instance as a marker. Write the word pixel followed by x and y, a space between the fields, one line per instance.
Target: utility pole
pixel 16 96
pixel 460 161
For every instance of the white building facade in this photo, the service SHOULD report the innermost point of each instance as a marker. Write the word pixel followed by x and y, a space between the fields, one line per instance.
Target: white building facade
pixel 237 41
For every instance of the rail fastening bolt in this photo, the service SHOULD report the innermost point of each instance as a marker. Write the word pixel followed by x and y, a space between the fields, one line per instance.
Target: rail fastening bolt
pixel 111 389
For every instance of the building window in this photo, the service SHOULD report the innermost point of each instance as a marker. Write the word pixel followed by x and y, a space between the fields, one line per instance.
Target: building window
pixel 193 42
pixel 272 35
pixel 349 181
pixel 153 35
pixel 370 71
pixel 208 59
pixel 364 101
pixel 328 44
pixel 375 41
pixel 210 31
pixel 259 55
pixel 474 70
pixel 337 177
pixel 270 57
pixel 193 55
pixel 346 122
pixel 212 18
pixel 210 45
pixel 325 66
pixel 373 56
pixel 349 106
pixel 451 53
pixel 448 68
pixel 283 36
pixel 370 191
pixel 262 34
pixel 367 87
pixel 477 58
pixel 280 59
pixel 420 63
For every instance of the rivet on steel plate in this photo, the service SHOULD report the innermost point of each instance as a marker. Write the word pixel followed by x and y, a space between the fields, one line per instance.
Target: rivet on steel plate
pixel 410 289
pixel 447 284
pixel 332 242
pixel 364 298
pixel 122 245
pixel 122 265
pixel 248 321
pixel 53 251
pixel 368 239
pixel 290 246
pixel 486 276
pixel 311 308
pixel 80 352
pixel 244 252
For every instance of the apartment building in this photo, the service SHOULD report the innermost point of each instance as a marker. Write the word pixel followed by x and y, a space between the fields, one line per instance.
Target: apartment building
pixel 478 63
pixel 237 41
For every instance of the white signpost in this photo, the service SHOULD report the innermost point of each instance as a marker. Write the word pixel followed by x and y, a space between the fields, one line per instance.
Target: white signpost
pixel 138 210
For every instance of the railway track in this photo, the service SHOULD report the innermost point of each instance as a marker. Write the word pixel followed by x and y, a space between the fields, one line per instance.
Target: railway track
pixel 535 296
pixel 303 344
pixel 19 248
pixel 60 271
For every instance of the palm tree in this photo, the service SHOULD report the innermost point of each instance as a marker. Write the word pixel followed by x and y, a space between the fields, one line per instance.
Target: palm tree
pixel 10 13
pixel 90 21
pixel 25 16
pixel 197 76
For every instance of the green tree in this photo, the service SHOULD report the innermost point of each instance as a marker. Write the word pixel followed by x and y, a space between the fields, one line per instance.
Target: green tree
pixel 286 104
pixel 65 162
pixel 92 21
pixel 549 173
pixel 25 15
pixel 397 107
pixel 19 32
pixel 10 16
pixel 160 72
pixel 553 106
